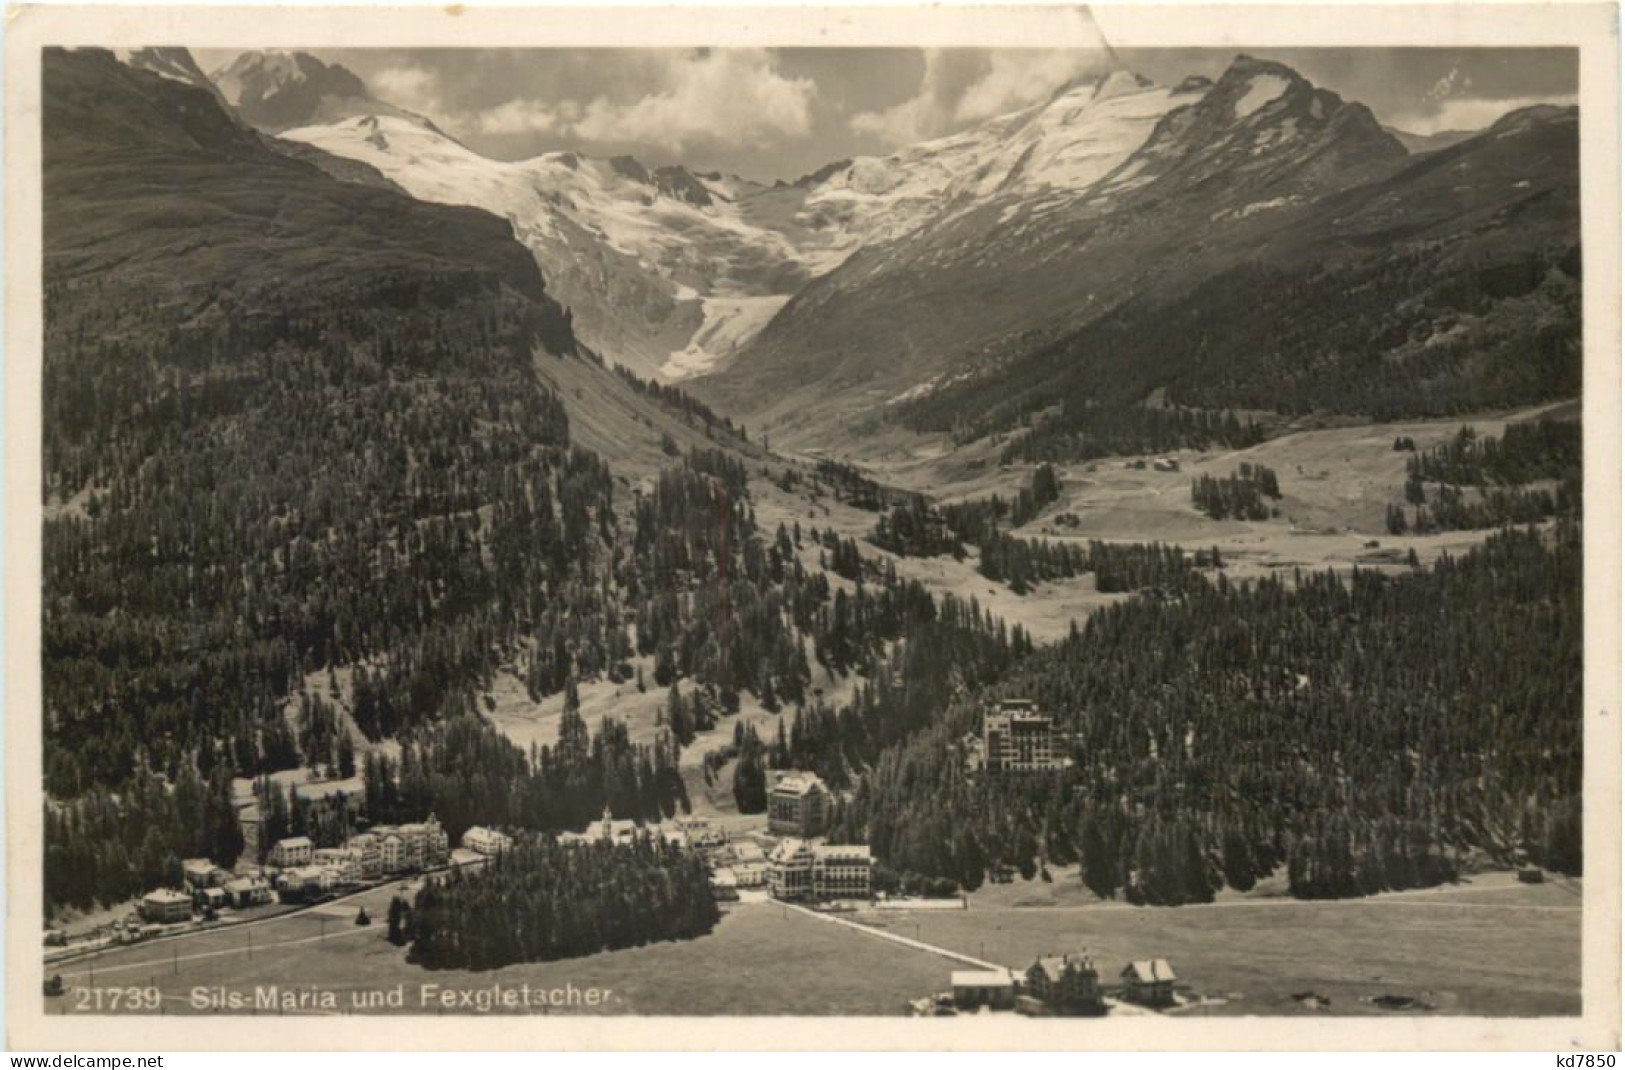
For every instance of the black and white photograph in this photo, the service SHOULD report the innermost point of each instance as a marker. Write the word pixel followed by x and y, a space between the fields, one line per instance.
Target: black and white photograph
pixel 1087 536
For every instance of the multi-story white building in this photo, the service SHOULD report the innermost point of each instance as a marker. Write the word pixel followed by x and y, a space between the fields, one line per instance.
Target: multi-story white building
pixel 165 905
pixel 798 805
pixel 1018 738
pixel 486 841
pixel 344 863
pixel 369 848
pixel 293 851
pixel 420 845
pixel 799 870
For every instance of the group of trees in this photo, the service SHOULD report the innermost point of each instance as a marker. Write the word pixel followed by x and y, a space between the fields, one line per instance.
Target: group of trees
pixel 1084 432
pixel 467 773
pixel 1240 495
pixel 103 848
pixel 1485 481
pixel 542 900
pixel 328 819
pixel 1365 732
pixel 915 527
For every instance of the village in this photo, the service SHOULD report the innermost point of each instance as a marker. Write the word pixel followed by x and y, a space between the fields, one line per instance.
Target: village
pixel 790 862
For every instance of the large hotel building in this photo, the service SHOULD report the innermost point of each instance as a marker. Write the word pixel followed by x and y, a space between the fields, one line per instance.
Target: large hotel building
pixel 1018 738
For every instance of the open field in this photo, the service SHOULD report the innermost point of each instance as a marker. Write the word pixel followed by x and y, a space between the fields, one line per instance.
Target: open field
pixel 1488 947
pixel 762 959
pixel 1336 484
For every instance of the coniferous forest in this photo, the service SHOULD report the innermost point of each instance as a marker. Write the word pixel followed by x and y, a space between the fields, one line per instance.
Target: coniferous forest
pixel 1364 732
pixel 309 506
pixel 543 900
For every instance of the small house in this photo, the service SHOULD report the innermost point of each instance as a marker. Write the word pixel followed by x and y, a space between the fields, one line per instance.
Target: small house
pixel 213 898
pixel 1149 982
pixel 247 892
pixel 1531 875
pixel 983 988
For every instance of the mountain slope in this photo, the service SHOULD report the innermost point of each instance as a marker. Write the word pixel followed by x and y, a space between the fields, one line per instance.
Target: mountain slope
pixel 272 402
pixel 647 260
pixel 1247 170
pixel 176 64
pixel 1451 285
pixel 671 272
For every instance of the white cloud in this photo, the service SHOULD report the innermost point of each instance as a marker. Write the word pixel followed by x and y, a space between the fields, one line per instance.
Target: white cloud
pixel 1468 113
pixel 726 96
pixel 926 114
pixel 1017 78
pixel 408 86
pixel 529 116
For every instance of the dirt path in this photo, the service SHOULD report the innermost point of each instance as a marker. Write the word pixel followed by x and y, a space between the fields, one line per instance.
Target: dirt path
pixel 881 934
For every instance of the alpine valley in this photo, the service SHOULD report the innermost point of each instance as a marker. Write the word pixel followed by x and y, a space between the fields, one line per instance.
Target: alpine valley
pixel 569 521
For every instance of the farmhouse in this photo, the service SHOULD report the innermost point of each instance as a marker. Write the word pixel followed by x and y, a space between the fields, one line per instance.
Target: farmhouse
pixel 165 905
pixel 292 852
pixel 1149 982
pixel 984 988
pixel 798 870
pixel 798 805
pixel 1018 738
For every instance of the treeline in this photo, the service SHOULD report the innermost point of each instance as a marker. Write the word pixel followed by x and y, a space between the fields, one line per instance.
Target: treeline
pixel 1450 509
pixel 1082 433
pixel 1239 495
pixel 1523 453
pixel 542 900
pixel 1364 732
pixel 1021 563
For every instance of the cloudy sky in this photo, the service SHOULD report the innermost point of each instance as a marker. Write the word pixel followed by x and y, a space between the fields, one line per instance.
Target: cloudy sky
pixel 781 113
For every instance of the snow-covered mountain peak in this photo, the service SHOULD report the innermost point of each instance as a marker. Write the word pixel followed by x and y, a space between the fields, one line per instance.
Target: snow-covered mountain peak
pixel 256 75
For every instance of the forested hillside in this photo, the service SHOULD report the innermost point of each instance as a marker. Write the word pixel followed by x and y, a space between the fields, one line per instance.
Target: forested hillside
pixel 1365 732
pixel 305 435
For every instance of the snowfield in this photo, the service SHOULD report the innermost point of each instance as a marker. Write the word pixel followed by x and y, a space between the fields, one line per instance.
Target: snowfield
pixel 729 323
